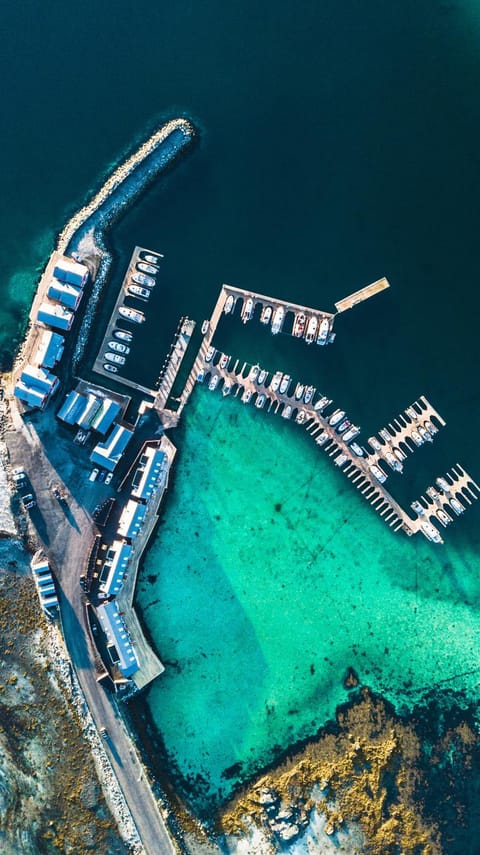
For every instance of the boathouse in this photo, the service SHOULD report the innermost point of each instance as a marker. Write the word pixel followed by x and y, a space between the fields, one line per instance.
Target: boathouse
pixel 50 349
pixel 116 565
pixel 150 474
pixel 119 644
pixel 110 452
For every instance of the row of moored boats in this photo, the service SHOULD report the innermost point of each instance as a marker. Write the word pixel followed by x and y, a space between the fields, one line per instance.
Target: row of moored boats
pixel 312 328
pixel 140 285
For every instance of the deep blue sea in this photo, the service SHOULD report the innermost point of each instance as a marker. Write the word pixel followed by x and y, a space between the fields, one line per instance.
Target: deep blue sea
pixel 337 143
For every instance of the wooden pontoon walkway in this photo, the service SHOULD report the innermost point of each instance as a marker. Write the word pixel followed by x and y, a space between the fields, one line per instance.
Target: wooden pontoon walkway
pixel 363 294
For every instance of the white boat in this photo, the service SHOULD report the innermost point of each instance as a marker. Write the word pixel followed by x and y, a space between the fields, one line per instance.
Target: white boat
pixel 443 485
pixel 114 357
pixel 418 508
pixel 153 259
pixel 341 459
pixel 309 393
pixel 228 305
pixel 284 384
pixel 246 396
pixel 343 426
pixel 373 441
pixel 138 291
pixel 351 433
pixel 143 279
pixel 393 462
pixel 260 401
pixel 301 416
pixel 227 388
pixel 118 347
pixel 253 373
pixel 262 376
pixel 205 327
pixel 322 404
pixel 123 335
pixel 456 506
pixel 247 310
pixel 385 435
pixel 112 369
pixel 278 319
pixel 210 353
pixel 336 417
pixel 266 315
pixel 287 412
pixel 299 325
pixel 443 517
pixel 378 473
pixel 432 493
pixel 431 427
pixel 357 449
pixel 323 331
pixel 133 315
pixel 430 532
pixel 311 329
pixel 411 413
pixel 399 454
pixel 322 438
pixel 224 360
pixel 276 379
pixel 299 391
pixel 147 268
pixel 424 434
pixel 213 382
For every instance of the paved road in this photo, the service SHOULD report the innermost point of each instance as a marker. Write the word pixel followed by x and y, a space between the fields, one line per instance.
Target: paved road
pixel 67 538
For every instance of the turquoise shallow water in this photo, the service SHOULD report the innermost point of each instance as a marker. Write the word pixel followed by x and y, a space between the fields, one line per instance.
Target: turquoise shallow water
pixel 269 577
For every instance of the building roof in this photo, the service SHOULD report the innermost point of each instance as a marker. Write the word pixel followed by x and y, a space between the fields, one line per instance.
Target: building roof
pixel 109 452
pixel 72 407
pixel 92 405
pixel 117 567
pixel 31 397
pixel 50 349
pixel 63 292
pixel 44 584
pixel 117 635
pixel 38 378
pixel 68 270
pixel 55 316
pixel 105 416
pixel 151 473
pixel 131 519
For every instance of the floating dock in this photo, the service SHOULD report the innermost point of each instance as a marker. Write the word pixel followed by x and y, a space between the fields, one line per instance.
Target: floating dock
pixel 363 294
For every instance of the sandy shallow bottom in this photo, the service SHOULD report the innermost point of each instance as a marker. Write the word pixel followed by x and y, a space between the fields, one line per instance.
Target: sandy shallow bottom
pixel 269 577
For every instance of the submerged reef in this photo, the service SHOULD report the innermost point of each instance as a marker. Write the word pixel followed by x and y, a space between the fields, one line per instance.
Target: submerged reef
pixel 375 783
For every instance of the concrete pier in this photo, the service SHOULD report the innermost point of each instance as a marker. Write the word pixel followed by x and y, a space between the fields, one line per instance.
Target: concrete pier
pixel 362 294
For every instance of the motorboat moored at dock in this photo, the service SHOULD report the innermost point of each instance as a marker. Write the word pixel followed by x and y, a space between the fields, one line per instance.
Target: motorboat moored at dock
pixel 112 369
pixel 138 291
pixel 247 311
pixel 309 393
pixel 133 315
pixel 456 506
pixel 210 353
pixel 115 358
pixel 259 403
pixel 373 441
pixel 323 331
pixel 266 315
pixel 393 462
pixel 322 438
pixel 299 325
pixel 247 394
pixel 336 417
pixel 205 327
pixel 287 412
pixel 143 279
pixel 343 426
pixel 341 459
pixel 224 360
pixel 153 259
pixel 351 433
pixel 443 517
pixel 378 473
pixel 418 508
pixel 432 493
pixel 147 268
pixel 213 382
pixel 123 335
pixel 299 391
pixel 253 373
pixel 443 484
pixel 118 347
pixel 430 532
pixel 276 380
pixel 278 319
pixel 229 304
pixel 311 329
pixel 322 404
pixel 357 449
pixel 284 384
pixel 227 388
pixel 262 376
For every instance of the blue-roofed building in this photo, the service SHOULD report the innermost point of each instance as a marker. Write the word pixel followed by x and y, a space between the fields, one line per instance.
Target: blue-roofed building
pixel 70 271
pixel 92 405
pixel 109 452
pixel 131 519
pixel 50 349
pixel 151 474
pixel 72 408
pixel 105 416
pixel 62 292
pixel 56 316
pixel 116 566
pixel 118 641
pixel 35 386
pixel 44 584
